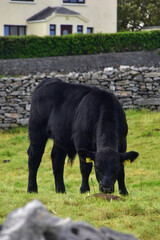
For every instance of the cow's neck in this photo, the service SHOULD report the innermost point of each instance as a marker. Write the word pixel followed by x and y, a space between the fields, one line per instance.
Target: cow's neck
pixel 107 134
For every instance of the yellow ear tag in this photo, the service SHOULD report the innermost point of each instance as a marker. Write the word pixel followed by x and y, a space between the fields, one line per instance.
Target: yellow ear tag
pixel 126 162
pixel 88 160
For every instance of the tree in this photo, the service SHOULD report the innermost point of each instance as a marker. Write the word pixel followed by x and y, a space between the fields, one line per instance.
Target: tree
pixel 134 14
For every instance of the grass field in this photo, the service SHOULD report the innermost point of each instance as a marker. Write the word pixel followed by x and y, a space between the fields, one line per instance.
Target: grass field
pixel 138 213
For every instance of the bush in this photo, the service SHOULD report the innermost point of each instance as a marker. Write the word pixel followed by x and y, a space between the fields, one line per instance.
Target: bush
pixel 77 44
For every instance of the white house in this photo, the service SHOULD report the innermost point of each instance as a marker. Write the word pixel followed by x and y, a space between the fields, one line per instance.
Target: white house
pixel 57 17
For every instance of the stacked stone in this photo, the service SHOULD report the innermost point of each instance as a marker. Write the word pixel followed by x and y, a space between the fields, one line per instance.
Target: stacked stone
pixel 134 87
pixel 15 98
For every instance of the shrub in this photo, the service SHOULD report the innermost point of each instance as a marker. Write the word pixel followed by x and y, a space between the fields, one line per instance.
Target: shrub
pixel 77 44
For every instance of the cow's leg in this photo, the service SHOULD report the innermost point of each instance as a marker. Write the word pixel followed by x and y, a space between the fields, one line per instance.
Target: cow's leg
pixel 86 169
pixel 35 152
pixel 82 143
pixel 121 176
pixel 58 158
pixel 121 181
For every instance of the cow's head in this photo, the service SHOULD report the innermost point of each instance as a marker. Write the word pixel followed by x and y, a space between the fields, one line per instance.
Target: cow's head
pixel 107 165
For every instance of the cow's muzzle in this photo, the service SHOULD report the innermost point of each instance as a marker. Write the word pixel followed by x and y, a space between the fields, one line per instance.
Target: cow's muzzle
pixel 106 189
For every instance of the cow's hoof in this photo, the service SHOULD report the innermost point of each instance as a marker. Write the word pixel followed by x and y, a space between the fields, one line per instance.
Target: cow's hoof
pixel 124 193
pixel 60 190
pixel 32 190
pixel 63 192
pixel 84 190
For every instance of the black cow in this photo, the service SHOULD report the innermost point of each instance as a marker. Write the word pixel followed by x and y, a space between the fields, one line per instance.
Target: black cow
pixel 84 120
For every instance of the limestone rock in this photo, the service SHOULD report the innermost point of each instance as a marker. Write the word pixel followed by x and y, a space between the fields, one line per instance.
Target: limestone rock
pixel 34 222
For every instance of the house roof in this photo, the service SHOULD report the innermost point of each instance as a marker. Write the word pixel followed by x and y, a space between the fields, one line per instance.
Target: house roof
pixel 45 13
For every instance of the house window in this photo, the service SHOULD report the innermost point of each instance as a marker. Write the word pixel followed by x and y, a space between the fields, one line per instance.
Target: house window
pixel 79 29
pixel 74 1
pixel 13 30
pixel 6 30
pixel 89 30
pixel 52 30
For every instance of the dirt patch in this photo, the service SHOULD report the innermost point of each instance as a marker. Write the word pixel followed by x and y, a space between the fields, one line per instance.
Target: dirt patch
pixel 104 196
pixel 156 130
pixel 6 161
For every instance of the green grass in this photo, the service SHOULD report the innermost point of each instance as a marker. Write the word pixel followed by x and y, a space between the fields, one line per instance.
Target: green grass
pixel 138 214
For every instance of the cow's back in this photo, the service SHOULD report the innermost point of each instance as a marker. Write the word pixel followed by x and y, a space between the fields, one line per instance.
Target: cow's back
pixel 53 106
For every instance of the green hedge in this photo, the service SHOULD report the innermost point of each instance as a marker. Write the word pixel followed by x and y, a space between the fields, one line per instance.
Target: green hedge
pixel 77 44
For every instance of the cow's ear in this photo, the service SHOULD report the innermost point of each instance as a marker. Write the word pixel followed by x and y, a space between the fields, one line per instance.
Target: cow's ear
pixel 86 155
pixel 128 156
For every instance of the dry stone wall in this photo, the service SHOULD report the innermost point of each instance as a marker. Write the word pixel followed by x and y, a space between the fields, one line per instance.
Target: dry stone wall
pixel 134 87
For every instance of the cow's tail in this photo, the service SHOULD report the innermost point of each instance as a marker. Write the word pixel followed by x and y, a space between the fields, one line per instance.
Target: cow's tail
pixel 71 157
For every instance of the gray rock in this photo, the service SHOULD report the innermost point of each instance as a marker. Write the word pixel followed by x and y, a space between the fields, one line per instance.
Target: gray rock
pixel 86 76
pixel 30 223
pixel 12 115
pixel 134 73
pixel 3 94
pixel 52 74
pixel 147 102
pixel 123 93
pixel 157 78
pixel 138 78
pixel 148 80
pixel 28 106
pixel 5 125
pixel 108 69
pixel 34 222
pixel 94 82
pixel 104 83
pixel 149 86
pixel 143 69
pixel 104 77
pixel 152 75
pixel 124 68
pixel 124 82
pixel 95 76
pixel 112 88
pixel 73 75
pixel 23 122
pixel 119 88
